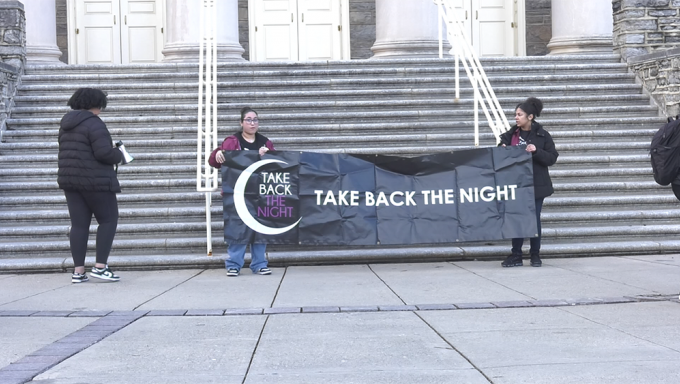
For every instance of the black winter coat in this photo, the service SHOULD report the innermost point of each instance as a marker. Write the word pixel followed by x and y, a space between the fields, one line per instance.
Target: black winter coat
pixel 86 154
pixel 545 156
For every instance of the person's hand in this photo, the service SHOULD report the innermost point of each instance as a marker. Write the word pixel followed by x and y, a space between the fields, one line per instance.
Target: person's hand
pixel 219 157
pixel 503 145
pixel 263 150
pixel 531 148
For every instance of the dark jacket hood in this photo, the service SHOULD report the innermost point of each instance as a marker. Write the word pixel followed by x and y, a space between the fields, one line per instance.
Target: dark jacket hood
pixel 74 118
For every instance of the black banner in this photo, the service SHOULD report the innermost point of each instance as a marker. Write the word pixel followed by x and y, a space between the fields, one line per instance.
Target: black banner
pixel 339 199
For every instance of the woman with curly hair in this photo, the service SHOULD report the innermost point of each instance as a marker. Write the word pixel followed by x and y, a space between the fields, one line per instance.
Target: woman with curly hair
pixel 529 133
pixel 89 181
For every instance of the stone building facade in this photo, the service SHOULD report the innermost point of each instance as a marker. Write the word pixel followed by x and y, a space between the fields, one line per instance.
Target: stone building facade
pixel 362 27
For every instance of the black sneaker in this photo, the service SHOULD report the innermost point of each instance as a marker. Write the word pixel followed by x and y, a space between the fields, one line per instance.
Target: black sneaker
pixel 232 272
pixel 79 278
pixel 513 261
pixel 264 271
pixel 536 261
pixel 104 273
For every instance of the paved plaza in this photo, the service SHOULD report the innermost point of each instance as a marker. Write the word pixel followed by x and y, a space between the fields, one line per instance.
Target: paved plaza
pixel 581 320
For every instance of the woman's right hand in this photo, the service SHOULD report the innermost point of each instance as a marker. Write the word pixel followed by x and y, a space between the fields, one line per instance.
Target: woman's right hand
pixel 219 157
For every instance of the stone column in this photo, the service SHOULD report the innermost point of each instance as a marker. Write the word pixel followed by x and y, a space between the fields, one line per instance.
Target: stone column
pixel 581 27
pixel 41 32
pixel 182 20
pixel 406 28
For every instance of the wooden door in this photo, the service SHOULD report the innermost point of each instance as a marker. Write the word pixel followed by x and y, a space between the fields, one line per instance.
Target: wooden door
pixel 493 30
pixel 319 30
pixel 141 32
pixel 296 30
pixel 118 31
pixel 98 31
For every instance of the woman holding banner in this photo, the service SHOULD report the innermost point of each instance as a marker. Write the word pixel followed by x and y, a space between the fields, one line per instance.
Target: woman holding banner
pixel 529 133
pixel 246 139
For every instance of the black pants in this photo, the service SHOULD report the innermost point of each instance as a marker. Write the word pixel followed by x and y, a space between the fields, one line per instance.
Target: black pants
pixel 81 206
pixel 535 242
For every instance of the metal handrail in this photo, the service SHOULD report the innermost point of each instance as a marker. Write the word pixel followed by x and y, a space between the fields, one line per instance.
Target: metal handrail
pixel 206 176
pixel 473 68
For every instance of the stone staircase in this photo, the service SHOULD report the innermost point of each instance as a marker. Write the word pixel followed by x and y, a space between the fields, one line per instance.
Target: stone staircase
pixel 606 201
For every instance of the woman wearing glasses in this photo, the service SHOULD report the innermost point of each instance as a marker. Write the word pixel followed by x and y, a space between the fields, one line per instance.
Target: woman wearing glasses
pixel 247 139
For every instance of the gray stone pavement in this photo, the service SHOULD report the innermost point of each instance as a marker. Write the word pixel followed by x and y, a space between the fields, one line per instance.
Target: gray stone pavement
pixel 586 320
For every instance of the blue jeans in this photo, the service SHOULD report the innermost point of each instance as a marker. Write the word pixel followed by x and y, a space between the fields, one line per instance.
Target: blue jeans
pixel 237 253
pixel 535 242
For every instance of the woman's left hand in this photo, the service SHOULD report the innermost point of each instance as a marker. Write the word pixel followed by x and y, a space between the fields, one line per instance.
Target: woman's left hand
pixel 531 148
pixel 263 150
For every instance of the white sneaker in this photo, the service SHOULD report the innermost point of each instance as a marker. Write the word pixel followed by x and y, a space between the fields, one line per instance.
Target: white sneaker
pixel 104 273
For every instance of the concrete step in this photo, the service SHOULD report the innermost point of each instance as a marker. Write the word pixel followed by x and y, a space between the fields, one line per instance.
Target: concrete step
pixel 262 98
pixel 563 242
pixel 367 109
pixel 346 64
pixel 298 74
pixel 302 85
pixel 560 104
pixel 378 118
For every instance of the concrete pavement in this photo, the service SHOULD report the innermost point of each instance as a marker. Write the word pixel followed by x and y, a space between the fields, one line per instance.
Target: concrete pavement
pixel 584 320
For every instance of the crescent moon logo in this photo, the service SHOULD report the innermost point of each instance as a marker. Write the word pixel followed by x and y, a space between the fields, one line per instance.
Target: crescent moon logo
pixel 240 201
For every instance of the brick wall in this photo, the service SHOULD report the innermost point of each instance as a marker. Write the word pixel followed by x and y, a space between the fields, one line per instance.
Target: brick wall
pixel 539 26
pixel 645 26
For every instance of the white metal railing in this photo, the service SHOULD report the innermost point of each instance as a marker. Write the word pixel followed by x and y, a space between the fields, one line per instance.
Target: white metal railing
pixel 463 52
pixel 206 176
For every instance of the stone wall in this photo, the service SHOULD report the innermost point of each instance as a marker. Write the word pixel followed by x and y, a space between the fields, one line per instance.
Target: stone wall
pixel 645 26
pixel 62 30
pixel 12 55
pixel 362 28
pixel 539 26
pixel 13 33
pixel 660 75
pixel 243 32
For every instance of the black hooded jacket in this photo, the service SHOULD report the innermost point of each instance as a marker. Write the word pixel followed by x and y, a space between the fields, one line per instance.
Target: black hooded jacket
pixel 545 156
pixel 86 154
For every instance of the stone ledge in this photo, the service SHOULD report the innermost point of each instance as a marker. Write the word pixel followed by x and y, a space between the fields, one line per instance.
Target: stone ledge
pixel 654 56
pixel 11 4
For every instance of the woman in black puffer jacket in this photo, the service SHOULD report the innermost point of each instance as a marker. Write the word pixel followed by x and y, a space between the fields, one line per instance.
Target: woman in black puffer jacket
pixel 87 176
pixel 529 133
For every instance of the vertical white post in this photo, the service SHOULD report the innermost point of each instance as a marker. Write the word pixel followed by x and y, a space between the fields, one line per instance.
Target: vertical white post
pixel 475 82
pixel 440 20
pixel 206 176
